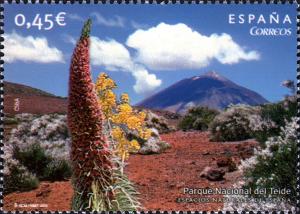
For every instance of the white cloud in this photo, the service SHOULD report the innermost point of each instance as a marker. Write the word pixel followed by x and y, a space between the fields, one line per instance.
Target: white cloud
pixel 170 47
pixel 145 82
pixel 117 21
pixel 30 49
pixel 69 39
pixel 75 17
pixel 137 25
pixel 111 54
pixel 115 57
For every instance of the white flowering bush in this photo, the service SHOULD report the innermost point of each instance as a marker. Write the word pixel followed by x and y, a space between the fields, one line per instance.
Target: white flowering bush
pixel 50 131
pixel 37 149
pixel 8 147
pixel 239 122
pixel 271 167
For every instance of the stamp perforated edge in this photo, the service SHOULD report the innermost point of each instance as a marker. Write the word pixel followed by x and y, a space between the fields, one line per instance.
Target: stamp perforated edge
pixel 2 104
pixel 2 2
pixel 151 1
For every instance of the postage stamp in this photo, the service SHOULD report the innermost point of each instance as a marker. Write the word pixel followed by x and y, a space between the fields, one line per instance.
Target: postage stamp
pixel 161 107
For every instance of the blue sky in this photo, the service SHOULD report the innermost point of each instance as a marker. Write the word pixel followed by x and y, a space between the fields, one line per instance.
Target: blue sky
pixel 146 48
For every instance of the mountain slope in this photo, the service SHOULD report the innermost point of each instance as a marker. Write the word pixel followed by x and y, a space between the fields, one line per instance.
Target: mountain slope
pixel 15 88
pixel 20 98
pixel 210 89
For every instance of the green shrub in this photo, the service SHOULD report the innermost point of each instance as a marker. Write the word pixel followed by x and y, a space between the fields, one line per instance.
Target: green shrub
pixel 279 113
pixel 33 158
pixel 19 179
pixel 37 149
pixel 197 118
pixel 274 111
pixel 155 120
pixel 277 171
pixel 275 166
pixel 44 166
pixel 262 136
pixel 239 122
pixel 10 121
pixel 232 124
pixel 57 170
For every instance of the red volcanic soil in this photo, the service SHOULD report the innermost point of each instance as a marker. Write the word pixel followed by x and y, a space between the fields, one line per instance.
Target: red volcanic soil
pixel 49 196
pixel 19 98
pixel 34 104
pixel 160 178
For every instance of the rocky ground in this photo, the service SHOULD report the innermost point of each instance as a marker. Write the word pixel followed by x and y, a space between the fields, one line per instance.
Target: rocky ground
pixel 193 161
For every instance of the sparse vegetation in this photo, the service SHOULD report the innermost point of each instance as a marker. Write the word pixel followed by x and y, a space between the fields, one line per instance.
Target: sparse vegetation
pixel 19 179
pixel 197 118
pixel 239 122
pixel 43 166
pixel 272 167
pixel 10 121
pixel 279 113
pixel 57 170
pixel 160 122
pixel 33 158
pixel 32 149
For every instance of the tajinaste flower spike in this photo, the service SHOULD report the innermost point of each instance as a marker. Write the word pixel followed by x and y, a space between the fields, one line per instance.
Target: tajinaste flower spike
pixel 90 154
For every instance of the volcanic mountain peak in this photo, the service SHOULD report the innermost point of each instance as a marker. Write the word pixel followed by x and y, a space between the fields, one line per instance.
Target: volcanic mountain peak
pixel 209 89
pixel 211 74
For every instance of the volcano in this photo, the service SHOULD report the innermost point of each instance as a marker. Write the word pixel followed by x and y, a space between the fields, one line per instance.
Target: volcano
pixel 209 89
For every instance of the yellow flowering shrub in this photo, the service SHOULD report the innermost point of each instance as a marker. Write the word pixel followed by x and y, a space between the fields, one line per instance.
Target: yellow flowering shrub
pixel 124 146
pixel 122 116
pixel 106 96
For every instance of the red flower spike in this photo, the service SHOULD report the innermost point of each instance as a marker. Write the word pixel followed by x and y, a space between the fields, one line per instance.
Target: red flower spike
pixel 85 124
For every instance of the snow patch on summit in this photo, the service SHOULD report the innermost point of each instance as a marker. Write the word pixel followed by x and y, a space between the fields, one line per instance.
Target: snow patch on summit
pixel 195 78
pixel 214 75
pixel 211 74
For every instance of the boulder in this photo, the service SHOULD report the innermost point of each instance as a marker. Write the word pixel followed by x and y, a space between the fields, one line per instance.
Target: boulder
pixel 154 132
pixel 158 122
pixel 224 161
pixel 228 163
pixel 213 174
pixel 206 153
pixel 154 145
